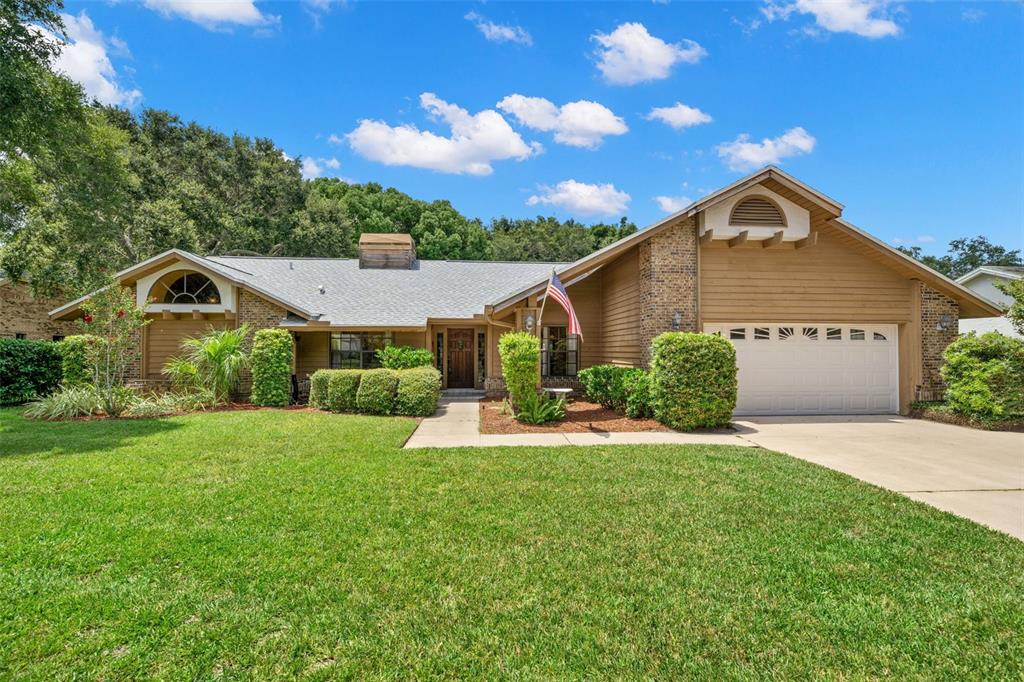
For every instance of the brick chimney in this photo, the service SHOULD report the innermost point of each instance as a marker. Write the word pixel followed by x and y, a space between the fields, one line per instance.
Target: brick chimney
pixel 386 251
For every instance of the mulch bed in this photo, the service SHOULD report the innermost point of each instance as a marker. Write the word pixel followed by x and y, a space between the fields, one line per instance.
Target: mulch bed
pixel 947 417
pixel 581 417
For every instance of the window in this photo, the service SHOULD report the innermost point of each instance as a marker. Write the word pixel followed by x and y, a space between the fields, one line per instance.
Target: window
pixel 558 352
pixel 188 287
pixel 20 336
pixel 856 335
pixel 879 337
pixel 439 352
pixel 811 333
pixel 58 337
pixel 834 334
pixel 759 211
pixel 762 334
pixel 739 333
pixel 357 351
pixel 481 355
pixel 785 333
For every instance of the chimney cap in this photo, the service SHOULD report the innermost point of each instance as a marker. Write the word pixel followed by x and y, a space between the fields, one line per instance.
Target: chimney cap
pixel 393 239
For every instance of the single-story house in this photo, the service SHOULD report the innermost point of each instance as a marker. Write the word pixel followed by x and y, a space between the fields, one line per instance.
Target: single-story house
pixel 825 318
pixel 25 315
pixel 983 281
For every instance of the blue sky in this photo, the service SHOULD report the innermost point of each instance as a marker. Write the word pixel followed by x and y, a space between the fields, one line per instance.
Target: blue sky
pixel 912 115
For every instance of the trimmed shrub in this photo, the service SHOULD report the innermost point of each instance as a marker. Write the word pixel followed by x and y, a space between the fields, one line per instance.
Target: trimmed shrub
pixel 693 380
pixel 74 360
pixel 318 384
pixel 520 365
pixel 637 385
pixel 28 370
pixel 984 376
pixel 377 391
pixel 404 357
pixel 541 408
pixel 419 390
pixel 342 389
pixel 271 361
pixel 603 384
pixel 67 402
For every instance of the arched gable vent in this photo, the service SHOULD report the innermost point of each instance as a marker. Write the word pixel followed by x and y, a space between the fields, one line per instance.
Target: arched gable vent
pixel 757 211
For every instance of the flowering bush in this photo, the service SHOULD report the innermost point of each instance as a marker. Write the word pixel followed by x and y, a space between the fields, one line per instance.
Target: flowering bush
pixel 113 321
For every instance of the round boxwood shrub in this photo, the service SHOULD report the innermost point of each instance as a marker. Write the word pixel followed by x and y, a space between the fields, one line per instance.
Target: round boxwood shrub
pixel 377 391
pixel 404 357
pixel 318 384
pixel 603 384
pixel 28 370
pixel 520 365
pixel 74 354
pixel 636 383
pixel 342 389
pixel 693 380
pixel 418 392
pixel 271 362
pixel 984 376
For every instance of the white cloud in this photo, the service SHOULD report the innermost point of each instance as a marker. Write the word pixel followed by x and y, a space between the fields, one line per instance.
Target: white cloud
pixel 578 124
pixel 973 15
pixel 84 60
pixel 630 55
pixel 334 139
pixel 214 14
pixel 866 18
pixel 582 198
pixel 314 168
pixel 673 204
pixel 679 116
pixel 742 154
pixel 499 33
pixel 919 239
pixel 476 140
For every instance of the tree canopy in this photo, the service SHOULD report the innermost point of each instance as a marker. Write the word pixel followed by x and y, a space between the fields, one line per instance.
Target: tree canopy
pixel 965 255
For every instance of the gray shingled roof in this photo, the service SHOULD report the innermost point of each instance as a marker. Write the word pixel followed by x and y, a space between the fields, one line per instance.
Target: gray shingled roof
pixel 392 298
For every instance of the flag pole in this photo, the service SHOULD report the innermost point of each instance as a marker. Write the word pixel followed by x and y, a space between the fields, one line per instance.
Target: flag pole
pixel 543 303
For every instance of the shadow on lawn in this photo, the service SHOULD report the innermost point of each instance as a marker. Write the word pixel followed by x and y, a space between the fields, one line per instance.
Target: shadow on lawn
pixel 21 436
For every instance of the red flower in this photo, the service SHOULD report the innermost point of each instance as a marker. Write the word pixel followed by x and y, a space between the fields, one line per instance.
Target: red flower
pixel 120 313
pixel 88 319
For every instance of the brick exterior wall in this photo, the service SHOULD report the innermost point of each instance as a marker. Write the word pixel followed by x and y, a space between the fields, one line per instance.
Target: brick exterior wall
pixel 258 313
pixel 668 282
pixel 933 341
pixel 23 313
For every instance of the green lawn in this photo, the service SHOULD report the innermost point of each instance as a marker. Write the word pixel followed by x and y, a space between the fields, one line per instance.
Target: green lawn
pixel 291 544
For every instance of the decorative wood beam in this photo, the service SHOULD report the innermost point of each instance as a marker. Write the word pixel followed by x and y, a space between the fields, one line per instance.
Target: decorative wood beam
pixel 774 240
pixel 739 239
pixel 809 240
pixel 706 237
pixel 168 315
pixel 230 315
pixel 198 315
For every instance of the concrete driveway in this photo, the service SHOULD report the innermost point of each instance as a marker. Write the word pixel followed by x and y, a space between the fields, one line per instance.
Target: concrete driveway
pixel 975 474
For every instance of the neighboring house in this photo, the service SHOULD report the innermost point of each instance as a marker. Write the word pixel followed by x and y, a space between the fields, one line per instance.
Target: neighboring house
pixel 983 281
pixel 25 316
pixel 824 317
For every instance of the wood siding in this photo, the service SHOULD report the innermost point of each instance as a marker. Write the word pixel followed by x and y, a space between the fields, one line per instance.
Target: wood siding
pixel 312 352
pixel 620 310
pixel 163 340
pixel 586 301
pixel 827 282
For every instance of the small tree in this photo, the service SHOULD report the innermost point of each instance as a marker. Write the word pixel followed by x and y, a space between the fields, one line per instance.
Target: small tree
pixel 520 365
pixel 271 360
pixel 1015 313
pixel 212 362
pixel 113 321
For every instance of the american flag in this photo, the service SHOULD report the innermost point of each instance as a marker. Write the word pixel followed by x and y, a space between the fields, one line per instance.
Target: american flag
pixel 556 292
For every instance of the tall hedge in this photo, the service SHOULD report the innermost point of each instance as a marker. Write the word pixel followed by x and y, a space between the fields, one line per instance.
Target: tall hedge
pixel 28 370
pixel 378 389
pixel 404 357
pixel 74 353
pixel 342 389
pixel 984 376
pixel 318 385
pixel 271 362
pixel 419 390
pixel 520 364
pixel 693 380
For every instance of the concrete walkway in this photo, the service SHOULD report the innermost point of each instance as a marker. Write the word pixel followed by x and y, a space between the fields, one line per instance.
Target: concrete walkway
pixel 456 424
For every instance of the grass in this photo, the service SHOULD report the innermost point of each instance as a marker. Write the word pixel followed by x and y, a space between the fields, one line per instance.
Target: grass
pixel 274 545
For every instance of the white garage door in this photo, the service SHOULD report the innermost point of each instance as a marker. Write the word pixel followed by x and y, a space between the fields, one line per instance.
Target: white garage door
pixel 822 368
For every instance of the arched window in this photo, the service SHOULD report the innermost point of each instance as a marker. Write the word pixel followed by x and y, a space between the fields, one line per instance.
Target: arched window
pixel 757 211
pixel 186 286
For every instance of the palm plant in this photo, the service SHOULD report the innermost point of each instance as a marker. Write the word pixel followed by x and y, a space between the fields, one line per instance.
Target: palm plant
pixel 213 361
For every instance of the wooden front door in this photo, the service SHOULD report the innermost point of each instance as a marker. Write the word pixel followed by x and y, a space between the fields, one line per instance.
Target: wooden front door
pixel 460 358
